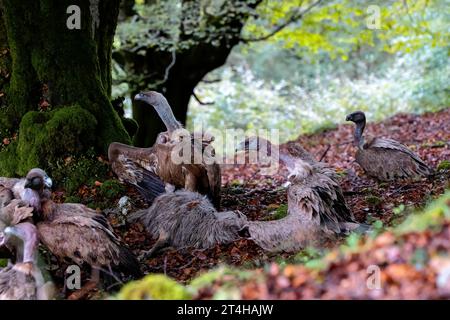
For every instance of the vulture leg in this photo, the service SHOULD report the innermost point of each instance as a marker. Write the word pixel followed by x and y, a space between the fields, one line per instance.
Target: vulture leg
pixel 190 182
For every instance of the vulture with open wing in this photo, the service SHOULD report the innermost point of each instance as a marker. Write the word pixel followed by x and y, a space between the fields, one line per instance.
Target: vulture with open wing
pixel 315 187
pixel 139 166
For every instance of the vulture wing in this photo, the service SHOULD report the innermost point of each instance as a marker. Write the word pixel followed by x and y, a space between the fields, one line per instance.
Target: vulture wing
pixel 8 182
pixel 387 159
pixel 137 166
pixel 320 197
pixel 85 240
pixel 15 212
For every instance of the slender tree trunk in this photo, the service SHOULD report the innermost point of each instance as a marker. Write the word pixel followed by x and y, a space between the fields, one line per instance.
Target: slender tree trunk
pixel 58 95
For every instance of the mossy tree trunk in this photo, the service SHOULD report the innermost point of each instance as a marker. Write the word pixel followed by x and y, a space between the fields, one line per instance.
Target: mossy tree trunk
pixel 55 83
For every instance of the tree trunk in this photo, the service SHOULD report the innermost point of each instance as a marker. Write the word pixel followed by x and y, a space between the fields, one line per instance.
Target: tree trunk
pixel 58 97
pixel 189 69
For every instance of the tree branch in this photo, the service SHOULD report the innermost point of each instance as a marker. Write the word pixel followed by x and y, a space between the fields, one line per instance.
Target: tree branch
pixel 200 101
pixel 292 19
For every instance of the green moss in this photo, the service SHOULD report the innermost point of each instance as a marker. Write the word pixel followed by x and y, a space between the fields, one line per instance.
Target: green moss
pixel 8 160
pixel 111 189
pixel 155 286
pixel 3 263
pixel 72 199
pixel 307 255
pixel 443 165
pixel 81 170
pixel 373 201
pixel 281 212
pixel 48 137
pixel 431 217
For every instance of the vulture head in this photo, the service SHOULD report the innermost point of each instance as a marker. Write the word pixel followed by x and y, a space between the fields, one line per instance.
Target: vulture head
pixel 37 179
pixel 162 107
pixel 37 183
pixel 359 118
pixel 356 117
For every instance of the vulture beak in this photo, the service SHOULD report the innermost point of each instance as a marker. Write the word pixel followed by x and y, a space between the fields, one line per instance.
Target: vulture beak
pixel 348 118
pixel 140 97
pixel 48 182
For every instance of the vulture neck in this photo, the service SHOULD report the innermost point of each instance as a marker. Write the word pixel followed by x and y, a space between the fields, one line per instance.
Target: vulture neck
pixel 47 210
pixel 359 129
pixel 164 111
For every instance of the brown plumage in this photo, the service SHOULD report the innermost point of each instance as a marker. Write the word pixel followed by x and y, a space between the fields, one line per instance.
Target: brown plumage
pixel 73 231
pixel 78 233
pixel 188 219
pixel 316 212
pixel 138 166
pixel 385 159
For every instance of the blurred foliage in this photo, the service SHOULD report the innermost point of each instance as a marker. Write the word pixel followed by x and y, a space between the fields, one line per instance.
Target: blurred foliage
pixel 154 286
pixel 312 73
pixel 431 217
pixel 325 60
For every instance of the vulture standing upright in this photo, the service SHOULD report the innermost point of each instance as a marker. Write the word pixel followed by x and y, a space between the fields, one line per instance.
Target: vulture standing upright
pixel 385 159
pixel 76 232
pixel 139 166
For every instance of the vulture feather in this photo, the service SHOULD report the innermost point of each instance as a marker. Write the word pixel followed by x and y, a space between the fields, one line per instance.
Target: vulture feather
pixel 385 159
pixel 142 166
pixel 76 232
pixel 313 186
pixel 188 219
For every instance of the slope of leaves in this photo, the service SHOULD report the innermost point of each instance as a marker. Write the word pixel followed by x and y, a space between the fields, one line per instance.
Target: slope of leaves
pixel 412 257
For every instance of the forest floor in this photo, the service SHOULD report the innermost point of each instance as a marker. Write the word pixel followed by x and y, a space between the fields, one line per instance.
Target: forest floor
pixel 410 263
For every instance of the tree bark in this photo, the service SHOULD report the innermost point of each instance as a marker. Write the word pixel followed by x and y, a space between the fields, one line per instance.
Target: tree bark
pixel 58 97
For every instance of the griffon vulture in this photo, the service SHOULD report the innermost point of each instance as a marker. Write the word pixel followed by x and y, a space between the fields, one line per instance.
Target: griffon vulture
pixel 138 166
pixel 385 159
pixel 188 219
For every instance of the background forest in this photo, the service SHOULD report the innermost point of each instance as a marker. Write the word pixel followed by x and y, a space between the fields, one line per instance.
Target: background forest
pixel 300 74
